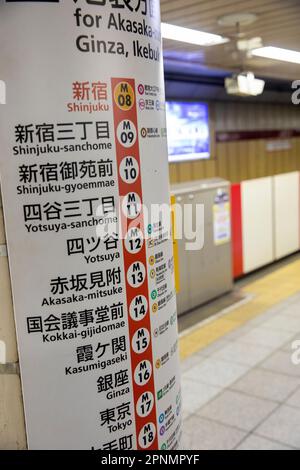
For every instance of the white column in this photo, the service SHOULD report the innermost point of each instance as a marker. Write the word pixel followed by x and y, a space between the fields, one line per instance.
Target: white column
pixel 12 429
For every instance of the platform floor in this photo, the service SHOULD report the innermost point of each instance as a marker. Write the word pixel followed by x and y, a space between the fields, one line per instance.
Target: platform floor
pixel 241 389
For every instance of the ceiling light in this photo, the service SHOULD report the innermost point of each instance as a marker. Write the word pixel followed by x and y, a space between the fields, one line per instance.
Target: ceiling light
pixel 190 36
pixel 276 53
pixel 248 45
pixel 244 84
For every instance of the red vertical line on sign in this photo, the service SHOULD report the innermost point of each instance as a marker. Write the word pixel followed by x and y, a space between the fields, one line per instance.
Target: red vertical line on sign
pixel 129 258
pixel 236 226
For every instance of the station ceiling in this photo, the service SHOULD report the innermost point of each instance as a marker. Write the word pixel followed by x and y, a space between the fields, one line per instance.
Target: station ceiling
pixel 277 23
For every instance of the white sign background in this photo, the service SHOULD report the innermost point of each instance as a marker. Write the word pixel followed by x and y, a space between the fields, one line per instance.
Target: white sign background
pixel 39 62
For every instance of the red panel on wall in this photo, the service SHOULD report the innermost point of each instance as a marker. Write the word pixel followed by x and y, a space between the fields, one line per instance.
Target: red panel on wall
pixel 236 227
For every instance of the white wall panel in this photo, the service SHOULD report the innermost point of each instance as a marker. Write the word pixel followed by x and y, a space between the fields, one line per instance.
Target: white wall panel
pixel 257 223
pixel 286 213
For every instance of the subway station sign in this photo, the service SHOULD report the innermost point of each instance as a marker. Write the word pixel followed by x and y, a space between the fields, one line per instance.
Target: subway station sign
pixel 83 162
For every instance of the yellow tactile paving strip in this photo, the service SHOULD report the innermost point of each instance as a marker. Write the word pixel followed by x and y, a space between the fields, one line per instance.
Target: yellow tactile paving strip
pixel 267 292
